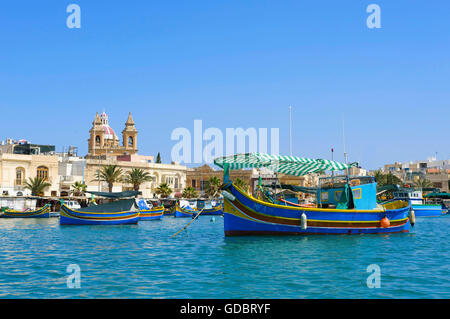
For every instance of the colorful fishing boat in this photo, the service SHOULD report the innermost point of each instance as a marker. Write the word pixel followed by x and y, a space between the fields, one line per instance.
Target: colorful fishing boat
pixel 420 207
pixel 148 210
pixel 345 205
pixel 43 212
pixel 119 212
pixel 184 211
pixel 213 211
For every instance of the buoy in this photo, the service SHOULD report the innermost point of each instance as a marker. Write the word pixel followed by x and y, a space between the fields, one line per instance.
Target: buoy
pixel 304 221
pixel 228 196
pixel 385 223
pixel 412 216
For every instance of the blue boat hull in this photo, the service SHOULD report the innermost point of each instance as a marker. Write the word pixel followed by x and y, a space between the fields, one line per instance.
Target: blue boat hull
pixel 152 214
pixel 245 215
pixel 215 211
pixel 181 212
pixel 72 217
pixel 43 212
pixel 427 210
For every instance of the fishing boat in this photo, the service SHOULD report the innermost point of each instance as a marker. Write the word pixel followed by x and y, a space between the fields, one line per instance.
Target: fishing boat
pixel 345 205
pixel 43 212
pixel 169 206
pixel 419 205
pixel 185 211
pixel 209 208
pixel 122 210
pixel 150 210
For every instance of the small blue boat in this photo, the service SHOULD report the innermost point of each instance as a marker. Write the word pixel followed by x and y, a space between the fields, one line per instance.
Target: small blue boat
pixel 119 212
pixel 184 211
pixel 345 205
pixel 43 212
pixel 150 213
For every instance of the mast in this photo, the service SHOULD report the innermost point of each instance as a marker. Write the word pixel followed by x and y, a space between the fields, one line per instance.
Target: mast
pixel 290 130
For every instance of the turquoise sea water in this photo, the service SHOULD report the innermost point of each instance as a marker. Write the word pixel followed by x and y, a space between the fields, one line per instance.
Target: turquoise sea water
pixel 142 261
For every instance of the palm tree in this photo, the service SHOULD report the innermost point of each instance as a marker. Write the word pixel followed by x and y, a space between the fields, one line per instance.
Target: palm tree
pixel 136 177
pixel 37 186
pixel 79 188
pixel 163 190
pixel 380 178
pixel 240 184
pixel 213 186
pixel 423 183
pixel 391 179
pixel 189 192
pixel 110 174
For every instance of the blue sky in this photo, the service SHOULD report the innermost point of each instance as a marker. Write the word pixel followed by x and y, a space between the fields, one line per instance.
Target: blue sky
pixel 232 64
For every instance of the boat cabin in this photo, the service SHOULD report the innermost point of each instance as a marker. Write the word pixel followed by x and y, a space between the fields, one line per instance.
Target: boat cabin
pixel 334 192
pixel 414 196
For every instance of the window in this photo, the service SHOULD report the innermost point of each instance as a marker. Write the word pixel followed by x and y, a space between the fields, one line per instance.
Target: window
pixel 357 193
pixel 20 176
pixel 324 196
pixel 42 172
pixel 97 140
pixel 337 195
pixel 194 183
pixel 130 141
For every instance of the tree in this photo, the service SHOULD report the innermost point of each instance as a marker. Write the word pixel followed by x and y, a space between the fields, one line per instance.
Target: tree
pixel 212 186
pixel 110 174
pixel 423 183
pixel 189 192
pixel 136 177
pixel 158 158
pixel 163 190
pixel 240 184
pixel 79 188
pixel 380 177
pixel 387 179
pixel 37 186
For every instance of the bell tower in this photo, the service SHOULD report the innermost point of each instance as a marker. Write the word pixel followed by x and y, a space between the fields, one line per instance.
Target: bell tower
pixel 96 141
pixel 129 135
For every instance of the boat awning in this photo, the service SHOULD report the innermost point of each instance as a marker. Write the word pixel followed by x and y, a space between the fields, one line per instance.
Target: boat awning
pixel 118 195
pixel 438 195
pixel 291 165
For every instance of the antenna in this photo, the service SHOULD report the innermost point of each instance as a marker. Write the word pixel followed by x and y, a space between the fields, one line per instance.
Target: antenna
pixel 343 138
pixel 290 130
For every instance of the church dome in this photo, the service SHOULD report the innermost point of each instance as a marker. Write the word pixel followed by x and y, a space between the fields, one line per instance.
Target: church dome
pixel 109 132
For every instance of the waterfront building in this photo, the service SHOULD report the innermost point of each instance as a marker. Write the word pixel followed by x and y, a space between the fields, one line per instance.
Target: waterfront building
pixel 432 169
pixel 20 161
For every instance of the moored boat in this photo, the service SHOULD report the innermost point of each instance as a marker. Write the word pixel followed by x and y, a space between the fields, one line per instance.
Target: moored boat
pixel 347 206
pixel 148 211
pixel 43 212
pixel 184 211
pixel 420 207
pixel 119 212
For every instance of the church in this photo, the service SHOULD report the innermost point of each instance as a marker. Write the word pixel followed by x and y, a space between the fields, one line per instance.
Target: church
pixel 105 148
pixel 103 140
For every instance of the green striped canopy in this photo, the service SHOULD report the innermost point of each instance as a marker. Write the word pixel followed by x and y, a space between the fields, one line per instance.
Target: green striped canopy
pixel 291 165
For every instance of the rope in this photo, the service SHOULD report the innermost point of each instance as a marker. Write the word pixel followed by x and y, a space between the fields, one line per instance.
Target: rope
pixel 192 219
